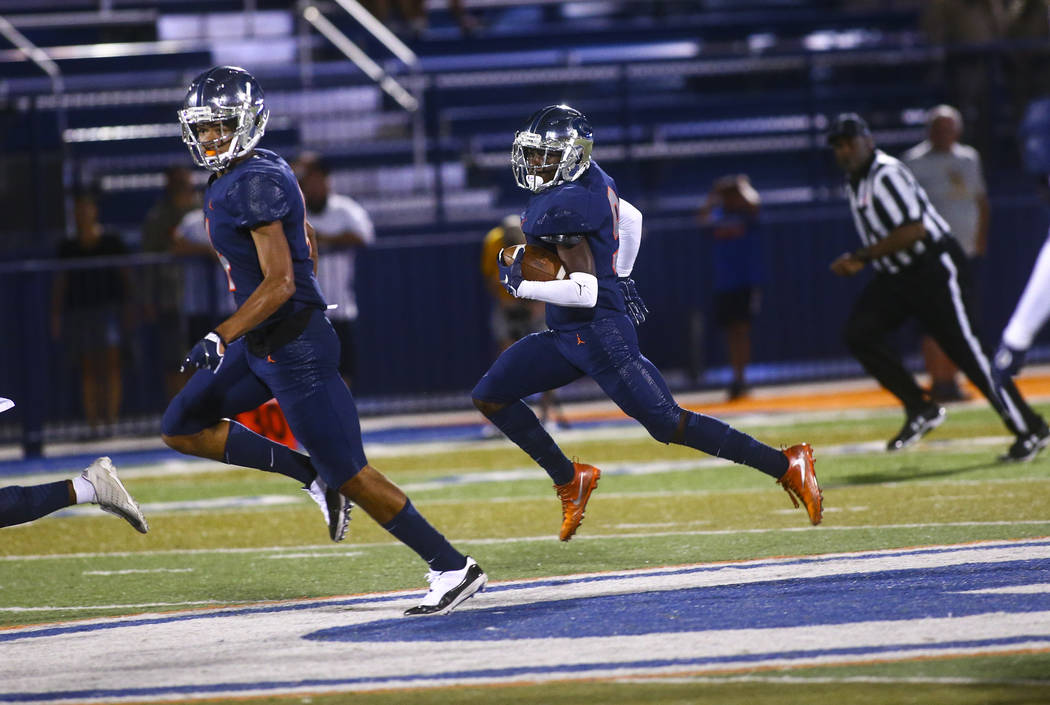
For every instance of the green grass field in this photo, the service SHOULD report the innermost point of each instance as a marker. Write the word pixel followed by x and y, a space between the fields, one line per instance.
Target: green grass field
pixel 949 489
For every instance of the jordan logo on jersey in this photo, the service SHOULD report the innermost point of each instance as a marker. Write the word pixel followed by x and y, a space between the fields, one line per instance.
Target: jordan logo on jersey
pixel 579 340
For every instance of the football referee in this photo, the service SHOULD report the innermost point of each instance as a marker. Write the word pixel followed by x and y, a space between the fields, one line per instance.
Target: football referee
pixel 921 273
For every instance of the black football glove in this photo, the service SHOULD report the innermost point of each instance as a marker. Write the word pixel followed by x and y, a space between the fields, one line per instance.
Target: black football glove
pixel 636 308
pixel 206 353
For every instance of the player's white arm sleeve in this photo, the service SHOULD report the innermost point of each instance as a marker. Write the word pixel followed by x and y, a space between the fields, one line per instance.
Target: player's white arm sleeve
pixel 1034 307
pixel 580 290
pixel 630 238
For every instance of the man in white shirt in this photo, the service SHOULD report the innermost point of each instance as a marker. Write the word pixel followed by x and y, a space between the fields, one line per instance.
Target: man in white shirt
pixel 342 226
pixel 951 175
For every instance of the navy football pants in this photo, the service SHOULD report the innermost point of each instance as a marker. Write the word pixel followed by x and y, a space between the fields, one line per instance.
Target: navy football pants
pixel 303 377
pixel 605 350
pixel 21 504
pixel 934 291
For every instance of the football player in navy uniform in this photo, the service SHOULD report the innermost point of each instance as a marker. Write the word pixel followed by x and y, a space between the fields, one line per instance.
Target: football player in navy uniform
pixel 279 343
pixel 576 211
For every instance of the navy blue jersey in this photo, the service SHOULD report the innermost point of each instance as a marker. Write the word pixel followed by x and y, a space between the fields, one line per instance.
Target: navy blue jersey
pixel 259 190
pixel 589 206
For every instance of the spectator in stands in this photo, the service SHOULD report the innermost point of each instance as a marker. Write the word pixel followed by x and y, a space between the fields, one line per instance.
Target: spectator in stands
pixel 342 226
pixel 513 318
pixel 206 299
pixel 730 211
pixel 161 282
pixel 964 24
pixel 89 311
pixel 950 173
pixel 413 13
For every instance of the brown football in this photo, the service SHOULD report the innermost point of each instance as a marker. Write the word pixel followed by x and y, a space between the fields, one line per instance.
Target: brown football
pixel 538 264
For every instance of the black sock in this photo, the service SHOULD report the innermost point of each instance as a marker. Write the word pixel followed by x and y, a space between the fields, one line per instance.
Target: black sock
pixel 521 426
pixel 412 529
pixel 248 449
pixel 718 438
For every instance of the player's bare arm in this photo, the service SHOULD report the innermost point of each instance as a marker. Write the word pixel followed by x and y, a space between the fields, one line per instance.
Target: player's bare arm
pixel 277 286
pixel 578 257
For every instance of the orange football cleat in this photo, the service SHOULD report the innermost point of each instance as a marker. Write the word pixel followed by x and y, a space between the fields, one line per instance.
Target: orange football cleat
pixel 574 496
pixel 800 481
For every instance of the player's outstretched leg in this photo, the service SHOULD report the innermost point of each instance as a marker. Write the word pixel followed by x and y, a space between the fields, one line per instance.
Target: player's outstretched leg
pixel 110 494
pixel 20 505
pixel 453 577
pixel 800 481
pixel 574 496
pixel 638 388
pixel 194 424
pixel 574 482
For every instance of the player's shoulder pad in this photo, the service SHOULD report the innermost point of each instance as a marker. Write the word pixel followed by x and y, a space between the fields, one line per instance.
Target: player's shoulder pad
pixel 259 195
pixel 560 225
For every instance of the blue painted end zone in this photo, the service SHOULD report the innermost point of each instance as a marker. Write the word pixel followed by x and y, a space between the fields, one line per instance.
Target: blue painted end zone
pixel 841 599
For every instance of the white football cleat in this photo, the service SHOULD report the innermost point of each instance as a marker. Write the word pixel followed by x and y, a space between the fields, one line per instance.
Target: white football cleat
pixel 334 506
pixel 111 496
pixel 448 588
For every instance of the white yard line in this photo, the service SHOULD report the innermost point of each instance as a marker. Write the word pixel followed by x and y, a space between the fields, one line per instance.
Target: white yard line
pixel 844 680
pixel 278 551
pixel 134 606
pixel 131 571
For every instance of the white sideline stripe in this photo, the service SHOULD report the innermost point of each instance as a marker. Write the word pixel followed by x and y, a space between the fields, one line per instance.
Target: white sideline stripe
pixel 317 554
pixel 131 571
pixel 140 605
pixel 824 680
pixel 526 539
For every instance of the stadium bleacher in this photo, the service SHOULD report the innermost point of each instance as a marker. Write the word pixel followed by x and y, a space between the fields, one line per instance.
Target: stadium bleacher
pixel 679 94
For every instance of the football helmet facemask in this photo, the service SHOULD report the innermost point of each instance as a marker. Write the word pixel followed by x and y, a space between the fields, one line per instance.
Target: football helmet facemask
pixel 553 148
pixel 229 96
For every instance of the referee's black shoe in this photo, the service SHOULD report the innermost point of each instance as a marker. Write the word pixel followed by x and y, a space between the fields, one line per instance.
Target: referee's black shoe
pixel 1027 446
pixel 917 426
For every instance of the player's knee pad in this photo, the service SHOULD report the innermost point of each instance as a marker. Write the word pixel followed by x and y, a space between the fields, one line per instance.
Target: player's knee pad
pixel 486 397
pixel 488 408
pixel 663 426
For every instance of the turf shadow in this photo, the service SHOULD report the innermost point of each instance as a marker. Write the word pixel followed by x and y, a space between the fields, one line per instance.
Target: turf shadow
pixel 906 473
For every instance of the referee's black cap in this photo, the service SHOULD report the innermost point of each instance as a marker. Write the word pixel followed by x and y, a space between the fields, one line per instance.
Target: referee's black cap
pixel 847 125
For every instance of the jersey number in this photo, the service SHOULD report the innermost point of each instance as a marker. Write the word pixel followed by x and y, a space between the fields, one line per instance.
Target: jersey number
pixel 222 258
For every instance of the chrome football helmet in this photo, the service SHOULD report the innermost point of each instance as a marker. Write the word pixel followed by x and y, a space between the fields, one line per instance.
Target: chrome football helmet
pixel 553 148
pixel 230 96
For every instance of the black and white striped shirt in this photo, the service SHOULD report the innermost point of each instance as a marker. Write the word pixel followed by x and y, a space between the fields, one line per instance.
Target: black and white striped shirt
pixel 886 198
